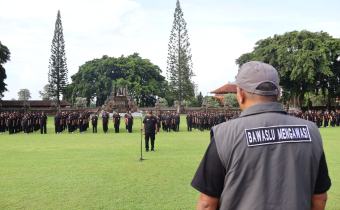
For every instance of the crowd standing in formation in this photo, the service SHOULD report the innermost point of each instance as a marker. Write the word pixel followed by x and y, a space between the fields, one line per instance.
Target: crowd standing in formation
pixel 205 121
pixel 320 118
pixel 15 122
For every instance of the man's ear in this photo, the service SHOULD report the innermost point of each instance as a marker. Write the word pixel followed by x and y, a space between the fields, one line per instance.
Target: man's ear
pixel 278 95
pixel 240 95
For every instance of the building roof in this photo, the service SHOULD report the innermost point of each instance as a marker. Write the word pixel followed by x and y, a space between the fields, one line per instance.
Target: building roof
pixel 228 88
pixel 33 103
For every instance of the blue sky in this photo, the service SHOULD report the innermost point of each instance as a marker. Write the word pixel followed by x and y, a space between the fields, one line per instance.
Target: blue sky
pixel 219 32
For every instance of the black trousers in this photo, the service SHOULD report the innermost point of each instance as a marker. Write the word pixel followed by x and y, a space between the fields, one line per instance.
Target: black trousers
pixel 116 127
pixel 81 128
pixel 147 137
pixel 189 126
pixel 94 128
pixel 43 128
pixel 10 129
pixel 25 128
pixel 168 128
pixel 177 127
pixel 130 128
pixel 70 128
pixel 325 123
pixel 57 128
pixel 318 123
pixel 105 127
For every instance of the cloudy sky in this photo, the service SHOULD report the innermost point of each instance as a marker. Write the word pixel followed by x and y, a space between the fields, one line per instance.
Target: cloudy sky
pixel 219 31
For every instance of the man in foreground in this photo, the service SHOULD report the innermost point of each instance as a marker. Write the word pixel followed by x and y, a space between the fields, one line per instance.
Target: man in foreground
pixel 264 159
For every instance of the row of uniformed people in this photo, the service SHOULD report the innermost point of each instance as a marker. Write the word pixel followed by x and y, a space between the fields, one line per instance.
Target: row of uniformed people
pixel 320 118
pixel 15 122
pixel 168 121
pixel 128 121
pixel 205 121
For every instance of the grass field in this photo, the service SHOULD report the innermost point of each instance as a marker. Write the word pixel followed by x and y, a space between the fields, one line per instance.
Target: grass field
pixel 102 171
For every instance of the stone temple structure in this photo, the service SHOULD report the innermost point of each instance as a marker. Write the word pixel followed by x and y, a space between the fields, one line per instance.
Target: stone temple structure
pixel 118 101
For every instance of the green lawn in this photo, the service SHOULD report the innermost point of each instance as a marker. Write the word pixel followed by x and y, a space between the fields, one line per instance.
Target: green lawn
pixel 102 171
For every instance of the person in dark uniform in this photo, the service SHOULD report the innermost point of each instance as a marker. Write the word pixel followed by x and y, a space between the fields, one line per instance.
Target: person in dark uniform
pixel 158 117
pixel 70 124
pixel 326 119
pixel 125 120
pixel 130 122
pixel 94 122
pixel 81 124
pixel 105 122
pixel 24 123
pixel 10 124
pixel 31 125
pixel 2 123
pixel 265 159
pixel 317 119
pixel 168 122
pixel 56 123
pixel 337 117
pixel 116 121
pixel 211 121
pixel 202 122
pixel 43 123
pixel 150 130
pixel 15 124
pixel 75 121
pixel 189 122
pixel 177 122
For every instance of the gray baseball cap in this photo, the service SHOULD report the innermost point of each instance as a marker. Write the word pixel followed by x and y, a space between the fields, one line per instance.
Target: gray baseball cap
pixel 254 73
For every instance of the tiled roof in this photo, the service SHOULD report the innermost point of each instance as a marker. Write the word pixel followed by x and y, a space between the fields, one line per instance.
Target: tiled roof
pixel 33 103
pixel 228 88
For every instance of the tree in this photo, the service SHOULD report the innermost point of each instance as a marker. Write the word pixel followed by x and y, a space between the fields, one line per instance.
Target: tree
pixel 306 62
pixel 179 64
pixel 195 102
pixel 232 100
pixel 81 101
pixel 213 102
pixel 5 56
pixel 163 102
pixel 95 80
pixel 57 74
pixel 45 95
pixel 24 94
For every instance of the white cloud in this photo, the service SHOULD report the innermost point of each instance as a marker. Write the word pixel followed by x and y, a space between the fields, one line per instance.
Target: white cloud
pixel 219 33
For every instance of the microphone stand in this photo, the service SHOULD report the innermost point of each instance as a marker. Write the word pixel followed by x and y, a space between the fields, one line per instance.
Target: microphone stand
pixel 141 139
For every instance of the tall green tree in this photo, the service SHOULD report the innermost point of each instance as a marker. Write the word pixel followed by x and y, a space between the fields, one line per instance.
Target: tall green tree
pixel 306 62
pixel 45 94
pixel 96 79
pixel 179 64
pixel 24 94
pixel 213 102
pixel 57 74
pixel 231 98
pixel 5 56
